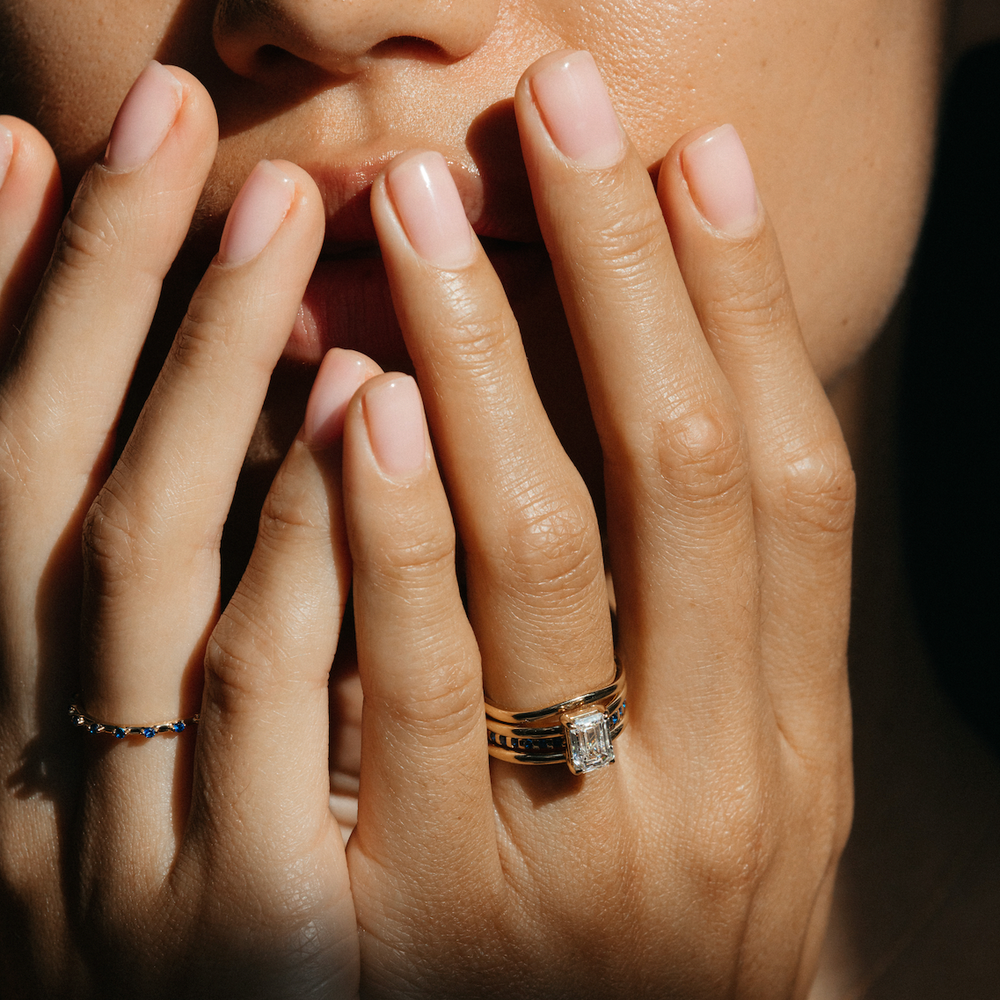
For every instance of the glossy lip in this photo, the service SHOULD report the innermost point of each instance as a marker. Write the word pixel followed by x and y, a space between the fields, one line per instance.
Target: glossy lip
pixel 347 302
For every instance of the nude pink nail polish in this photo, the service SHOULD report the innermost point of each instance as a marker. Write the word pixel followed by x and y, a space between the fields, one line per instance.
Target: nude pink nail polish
pixel 719 177
pixel 429 206
pixel 144 119
pixel 259 209
pixel 6 152
pixel 575 108
pixel 340 375
pixel 395 419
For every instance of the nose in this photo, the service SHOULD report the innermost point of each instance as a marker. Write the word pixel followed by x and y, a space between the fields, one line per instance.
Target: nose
pixel 337 35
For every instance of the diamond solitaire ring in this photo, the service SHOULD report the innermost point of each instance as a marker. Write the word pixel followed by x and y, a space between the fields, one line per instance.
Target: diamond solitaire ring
pixel 578 732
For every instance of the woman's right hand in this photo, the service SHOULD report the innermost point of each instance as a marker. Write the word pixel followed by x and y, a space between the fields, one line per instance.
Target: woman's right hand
pixel 165 864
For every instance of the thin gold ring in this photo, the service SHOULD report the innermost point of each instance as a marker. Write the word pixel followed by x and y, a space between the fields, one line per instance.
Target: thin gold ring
pixel 79 718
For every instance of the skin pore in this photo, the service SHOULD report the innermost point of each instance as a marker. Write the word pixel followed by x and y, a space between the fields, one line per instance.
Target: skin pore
pixel 834 102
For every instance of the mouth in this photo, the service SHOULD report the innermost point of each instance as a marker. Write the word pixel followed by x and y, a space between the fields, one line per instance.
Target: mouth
pixel 348 302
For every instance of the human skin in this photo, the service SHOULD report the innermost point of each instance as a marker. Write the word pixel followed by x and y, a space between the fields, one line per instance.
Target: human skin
pixel 863 144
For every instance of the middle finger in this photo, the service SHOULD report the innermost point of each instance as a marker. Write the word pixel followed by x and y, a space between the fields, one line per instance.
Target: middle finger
pixel 537 594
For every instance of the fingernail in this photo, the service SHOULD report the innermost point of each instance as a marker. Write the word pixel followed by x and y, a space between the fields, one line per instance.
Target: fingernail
pixel 575 107
pixel 6 151
pixel 339 377
pixel 428 204
pixel 144 119
pixel 720 180
pixel 395 420
pixel 258 211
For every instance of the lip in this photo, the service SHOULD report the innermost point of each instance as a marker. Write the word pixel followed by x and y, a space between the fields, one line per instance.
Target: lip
pixel 348 302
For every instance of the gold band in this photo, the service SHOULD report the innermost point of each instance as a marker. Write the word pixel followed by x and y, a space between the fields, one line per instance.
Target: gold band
pixel 577 732
pixel 78 717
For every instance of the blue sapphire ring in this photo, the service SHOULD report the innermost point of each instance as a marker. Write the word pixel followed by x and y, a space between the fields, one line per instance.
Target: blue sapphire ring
pixel 579 732
pixel 79 718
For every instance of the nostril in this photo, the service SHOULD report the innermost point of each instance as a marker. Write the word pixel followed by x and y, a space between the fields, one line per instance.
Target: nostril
pixel 410 46
pixel 271 56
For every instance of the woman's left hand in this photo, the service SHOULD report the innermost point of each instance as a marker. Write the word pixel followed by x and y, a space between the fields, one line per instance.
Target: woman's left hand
pixel 701 863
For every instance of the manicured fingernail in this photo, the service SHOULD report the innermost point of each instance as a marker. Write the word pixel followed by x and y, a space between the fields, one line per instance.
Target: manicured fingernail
pixel 575 107
pixel 144 119
pixel 339 377
pixel 395 420
pixel 428 204
pixel 6 152
pixel 720 180
pixel 258 211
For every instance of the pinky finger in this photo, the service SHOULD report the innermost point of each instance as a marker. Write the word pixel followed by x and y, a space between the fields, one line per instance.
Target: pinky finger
pixel 30 209
pixel 262 768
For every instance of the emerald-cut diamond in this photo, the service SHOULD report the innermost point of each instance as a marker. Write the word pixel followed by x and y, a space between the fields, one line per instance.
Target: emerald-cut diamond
pixel 588 740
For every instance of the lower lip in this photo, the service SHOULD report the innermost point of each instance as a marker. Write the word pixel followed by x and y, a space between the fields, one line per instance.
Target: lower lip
pixel 348 304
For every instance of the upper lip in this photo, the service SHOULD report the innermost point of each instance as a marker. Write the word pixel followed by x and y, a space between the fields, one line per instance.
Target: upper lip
pixel 499 206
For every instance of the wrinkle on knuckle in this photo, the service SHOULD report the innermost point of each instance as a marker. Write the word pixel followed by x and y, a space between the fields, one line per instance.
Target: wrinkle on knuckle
pixel 422 559
pixel 753 301
pixel 627 244
pixel 285 513
pixel 470 339
pixel 816 490
pixel 551 544
pixel 702 454
pixel 447 704
pixel 112 538
pixel 240 657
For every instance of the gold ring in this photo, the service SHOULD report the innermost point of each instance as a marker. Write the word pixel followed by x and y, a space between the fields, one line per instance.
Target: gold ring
pixel 578 732
pixel 78 717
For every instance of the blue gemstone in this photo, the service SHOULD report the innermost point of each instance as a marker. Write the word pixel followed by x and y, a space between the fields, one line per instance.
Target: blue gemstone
pixel 147 732
pixel 94 728
pixel 179 727
pixel 119 734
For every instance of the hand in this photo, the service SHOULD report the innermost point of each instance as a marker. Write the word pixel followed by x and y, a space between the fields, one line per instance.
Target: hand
pixel 701 863
pixel 174 864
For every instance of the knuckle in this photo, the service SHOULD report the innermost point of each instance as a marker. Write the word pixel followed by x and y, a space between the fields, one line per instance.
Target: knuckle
pixel 240 655
pixel 91 231
pixel 703 455
pixel 446 706
pixel 469 338
pixel 404 564
pixel 551 544
pixel 756 298
pixel 734 841
pixel 627 244
pixel 816 490
pixel 204 339
pixel 112 537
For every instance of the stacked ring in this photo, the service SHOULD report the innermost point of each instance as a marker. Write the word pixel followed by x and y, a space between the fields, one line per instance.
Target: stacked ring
pixel 78 717
pixel 579 732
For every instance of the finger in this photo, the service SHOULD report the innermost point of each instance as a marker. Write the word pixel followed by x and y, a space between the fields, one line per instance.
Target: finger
pixel 537 595
pixel 680 518
pixel 261 778
pixel 152 536
pixel 151 540
pixel 30 202
pixel 424 804
pixel 802 481
pixel 64 389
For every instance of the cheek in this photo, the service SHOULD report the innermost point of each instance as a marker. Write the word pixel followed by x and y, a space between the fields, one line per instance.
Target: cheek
pixel 68 66
pixel 836 107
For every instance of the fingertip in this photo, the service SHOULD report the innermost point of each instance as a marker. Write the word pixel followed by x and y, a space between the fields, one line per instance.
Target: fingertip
pixel 341 374
pixel 710 170
pixel 394 419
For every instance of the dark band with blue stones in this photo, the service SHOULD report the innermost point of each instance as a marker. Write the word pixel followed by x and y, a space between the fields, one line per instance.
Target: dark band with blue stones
pixel 79 718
